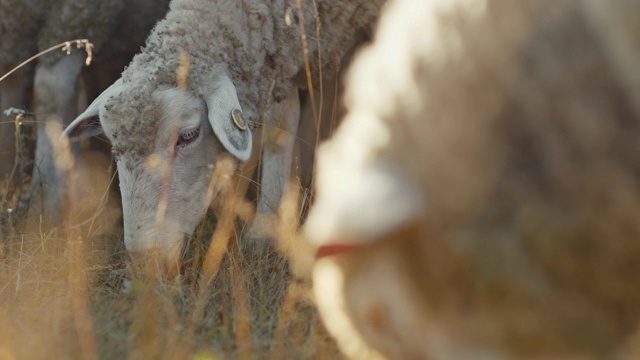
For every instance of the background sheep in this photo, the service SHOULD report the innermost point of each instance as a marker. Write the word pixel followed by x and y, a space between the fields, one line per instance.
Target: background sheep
pixel 116 28
pixel 240 56
pixel 482 197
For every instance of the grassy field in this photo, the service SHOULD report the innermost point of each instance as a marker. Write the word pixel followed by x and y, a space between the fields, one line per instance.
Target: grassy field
pixel 69 290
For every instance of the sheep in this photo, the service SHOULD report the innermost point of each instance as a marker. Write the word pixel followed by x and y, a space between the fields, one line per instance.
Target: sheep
pixel 482 197
pixel 116 28
pixel 243 58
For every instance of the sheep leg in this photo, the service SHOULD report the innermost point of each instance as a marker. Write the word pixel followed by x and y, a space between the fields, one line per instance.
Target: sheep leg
pixel 14 92
pixel 55 90
pixel 280 129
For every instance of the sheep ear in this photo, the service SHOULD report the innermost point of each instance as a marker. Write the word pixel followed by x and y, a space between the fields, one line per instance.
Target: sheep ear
pixel 88 123
pixel 227 121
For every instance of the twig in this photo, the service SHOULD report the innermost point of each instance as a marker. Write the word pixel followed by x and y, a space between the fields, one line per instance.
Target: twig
pixel 66 46
pixel 16 161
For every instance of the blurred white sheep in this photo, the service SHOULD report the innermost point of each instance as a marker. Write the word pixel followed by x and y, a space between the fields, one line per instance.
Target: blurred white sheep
pixel 482 197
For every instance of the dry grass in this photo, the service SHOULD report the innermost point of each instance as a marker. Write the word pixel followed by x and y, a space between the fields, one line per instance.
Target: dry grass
pixel 64 294
pixel 69 290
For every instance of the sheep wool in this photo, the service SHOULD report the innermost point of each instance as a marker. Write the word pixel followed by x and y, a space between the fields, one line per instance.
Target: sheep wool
pixel 256 44
pixel 35 25
pixel 516 125
pixel 78 19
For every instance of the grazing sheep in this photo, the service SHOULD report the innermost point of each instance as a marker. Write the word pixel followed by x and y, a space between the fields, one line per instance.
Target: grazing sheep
pixel 241 57
pixel 482 197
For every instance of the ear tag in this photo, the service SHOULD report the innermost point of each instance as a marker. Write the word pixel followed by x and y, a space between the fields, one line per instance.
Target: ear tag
pixel 238 119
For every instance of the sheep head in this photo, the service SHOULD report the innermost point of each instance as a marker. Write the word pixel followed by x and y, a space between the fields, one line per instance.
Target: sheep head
pixel 166 141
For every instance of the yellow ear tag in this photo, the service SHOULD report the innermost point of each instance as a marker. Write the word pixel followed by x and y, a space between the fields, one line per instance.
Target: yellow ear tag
pixel 238 119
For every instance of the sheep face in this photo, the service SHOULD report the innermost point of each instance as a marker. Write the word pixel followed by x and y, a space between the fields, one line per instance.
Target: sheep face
pixel 166 148
pixel 162 193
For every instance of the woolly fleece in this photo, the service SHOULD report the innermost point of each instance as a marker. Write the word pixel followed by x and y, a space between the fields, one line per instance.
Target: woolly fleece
pixel 248 41
pixel 519 123
pixel 113 26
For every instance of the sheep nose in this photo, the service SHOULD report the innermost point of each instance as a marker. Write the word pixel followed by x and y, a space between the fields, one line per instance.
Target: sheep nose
pixel 158 260
pixel 156 265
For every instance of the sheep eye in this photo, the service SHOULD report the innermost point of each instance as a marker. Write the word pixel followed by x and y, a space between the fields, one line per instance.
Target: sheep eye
pixel 187 137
